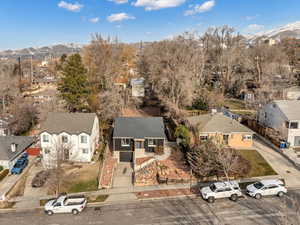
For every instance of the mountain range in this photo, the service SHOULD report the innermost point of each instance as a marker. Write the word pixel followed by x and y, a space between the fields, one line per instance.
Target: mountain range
pixel 42 52
pixel 291 30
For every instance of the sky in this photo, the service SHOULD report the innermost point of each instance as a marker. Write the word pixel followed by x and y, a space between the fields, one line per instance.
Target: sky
pixel 36 23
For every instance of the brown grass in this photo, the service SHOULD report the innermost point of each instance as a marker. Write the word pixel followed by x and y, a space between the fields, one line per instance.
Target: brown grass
pixel 77 175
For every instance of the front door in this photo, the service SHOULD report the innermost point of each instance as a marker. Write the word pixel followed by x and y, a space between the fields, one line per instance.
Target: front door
pixel 66 154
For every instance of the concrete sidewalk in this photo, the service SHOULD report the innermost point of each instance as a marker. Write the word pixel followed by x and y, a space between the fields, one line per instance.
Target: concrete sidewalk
pixel 280 164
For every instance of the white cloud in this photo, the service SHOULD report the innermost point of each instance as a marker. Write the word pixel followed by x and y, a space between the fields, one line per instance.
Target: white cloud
pixel 94 20
pixel 251 17
pixel 74 7
pixel 254 27
pixel 119 1
pixel 157 4
pixel 200 8
pixel 119 17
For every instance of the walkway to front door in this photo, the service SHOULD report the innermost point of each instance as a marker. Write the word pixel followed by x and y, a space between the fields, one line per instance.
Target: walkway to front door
pixel 123 175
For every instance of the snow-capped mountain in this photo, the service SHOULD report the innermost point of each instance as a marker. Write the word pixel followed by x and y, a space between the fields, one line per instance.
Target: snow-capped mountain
pixel 40 52
pixel 291 30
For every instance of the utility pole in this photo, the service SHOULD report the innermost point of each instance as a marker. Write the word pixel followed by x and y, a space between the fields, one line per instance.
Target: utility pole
pixel 31 71
pixel 20 73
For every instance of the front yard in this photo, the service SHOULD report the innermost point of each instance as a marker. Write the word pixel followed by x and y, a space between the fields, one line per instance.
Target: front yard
pixel 259 166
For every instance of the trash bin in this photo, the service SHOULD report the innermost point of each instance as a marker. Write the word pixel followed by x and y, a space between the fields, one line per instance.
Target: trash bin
pixel 282 144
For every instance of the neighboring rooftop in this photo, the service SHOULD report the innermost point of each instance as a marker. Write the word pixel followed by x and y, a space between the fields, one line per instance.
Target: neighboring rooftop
pixel 22 143
pixel 211 123
pixel 71 123
pixel 290 108
pixel 139 127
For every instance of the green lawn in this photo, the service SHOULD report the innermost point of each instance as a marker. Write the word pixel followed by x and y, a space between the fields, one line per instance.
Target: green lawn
pixel 234 104
pixel 83 186
pixel 259 166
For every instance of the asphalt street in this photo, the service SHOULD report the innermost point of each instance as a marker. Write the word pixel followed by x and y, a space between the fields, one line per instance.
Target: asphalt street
pixel 180 211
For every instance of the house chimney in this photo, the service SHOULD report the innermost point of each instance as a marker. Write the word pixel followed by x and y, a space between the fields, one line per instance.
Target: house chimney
pixel 13 147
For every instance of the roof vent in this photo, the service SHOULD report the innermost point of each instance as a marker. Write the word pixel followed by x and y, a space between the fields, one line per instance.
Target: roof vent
pixel 13 147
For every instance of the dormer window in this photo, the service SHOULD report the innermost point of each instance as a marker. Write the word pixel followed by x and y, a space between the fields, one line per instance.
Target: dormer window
pixel 45 138
pixel 64 139
pixel 83 139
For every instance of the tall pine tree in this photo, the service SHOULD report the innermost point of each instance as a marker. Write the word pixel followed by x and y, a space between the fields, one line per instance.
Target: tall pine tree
pixel 73 86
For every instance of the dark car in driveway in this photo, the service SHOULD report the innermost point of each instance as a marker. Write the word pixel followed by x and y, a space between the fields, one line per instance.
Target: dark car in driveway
pixel 40 179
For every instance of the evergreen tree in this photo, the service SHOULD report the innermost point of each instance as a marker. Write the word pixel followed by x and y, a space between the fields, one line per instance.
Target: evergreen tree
pixel 73 86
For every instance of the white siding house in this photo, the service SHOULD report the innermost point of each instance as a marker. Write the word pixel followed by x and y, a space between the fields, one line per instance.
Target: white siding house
pixel 11 149
pixel 73 135
pixel 283 116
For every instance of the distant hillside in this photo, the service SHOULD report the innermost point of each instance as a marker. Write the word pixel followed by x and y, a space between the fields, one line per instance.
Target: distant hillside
pixel 40 53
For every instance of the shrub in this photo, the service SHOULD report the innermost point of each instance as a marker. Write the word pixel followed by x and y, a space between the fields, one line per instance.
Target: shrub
pixel 200 104
pixel 1 168
pixel 159 150
pixel 3 174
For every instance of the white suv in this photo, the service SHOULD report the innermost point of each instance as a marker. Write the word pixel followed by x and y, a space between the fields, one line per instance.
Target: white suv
pixel 217 190
pixel 266 187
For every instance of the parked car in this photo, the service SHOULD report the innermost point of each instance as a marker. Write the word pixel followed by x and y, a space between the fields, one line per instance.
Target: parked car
pixel 24 156
pixel 40 179
pixel 217 190
pixel 266 187
pixel 66 204
pixel 19 166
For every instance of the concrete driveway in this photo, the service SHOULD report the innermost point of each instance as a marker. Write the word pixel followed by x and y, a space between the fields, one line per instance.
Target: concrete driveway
pixel 123 176
pixel 31 194
pixel 280 164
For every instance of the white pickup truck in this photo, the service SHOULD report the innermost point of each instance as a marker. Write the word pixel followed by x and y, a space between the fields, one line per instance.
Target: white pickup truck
pixel 65 204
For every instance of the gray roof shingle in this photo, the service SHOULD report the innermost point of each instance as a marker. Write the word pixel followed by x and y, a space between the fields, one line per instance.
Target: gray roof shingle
pixel 139 127
pixel 211 123
pixel 5 146
pixel 71 123
pixel 290 108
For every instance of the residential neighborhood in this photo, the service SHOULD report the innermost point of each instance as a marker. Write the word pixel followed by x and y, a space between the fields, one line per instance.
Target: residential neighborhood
pixel 147 123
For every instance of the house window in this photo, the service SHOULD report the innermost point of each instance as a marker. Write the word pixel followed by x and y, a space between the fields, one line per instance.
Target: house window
pixel 64 139
pixel 138 144
pixel 203 138
pixel 247 137
pixel 294 125
pixel 225 138
pixel 85 150
pixel 45 138
pixel 125 142
pixel 46 150
pixel 83 139
pixel 151 142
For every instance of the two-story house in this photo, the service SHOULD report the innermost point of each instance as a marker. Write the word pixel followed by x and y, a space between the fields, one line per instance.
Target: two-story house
pixel 71 136
pixel 283 116
pixel 137 137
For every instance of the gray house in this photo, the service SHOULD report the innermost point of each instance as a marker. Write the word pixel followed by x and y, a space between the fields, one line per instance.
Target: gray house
pixel 137 137
pixel 11 148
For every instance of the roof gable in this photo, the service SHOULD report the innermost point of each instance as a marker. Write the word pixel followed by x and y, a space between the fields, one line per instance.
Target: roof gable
pixel 290 108
pixel 5 146
pixel 139 127
pixel 71 123
pixel 212 123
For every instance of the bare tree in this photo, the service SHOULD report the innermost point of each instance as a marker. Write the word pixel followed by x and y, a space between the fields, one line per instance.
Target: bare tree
pixel 55 157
